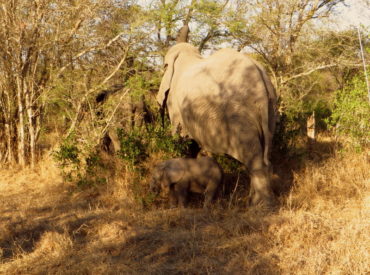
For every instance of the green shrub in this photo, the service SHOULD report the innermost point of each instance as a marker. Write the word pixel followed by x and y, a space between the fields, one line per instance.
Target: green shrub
pixel 77 167
pixel 351 113
pixel 322 113
pixel 291 129
pixel 161 140
pixel 138 144
pixel 133 146
pixel 229 164
pixel 67 157
pixel 287 131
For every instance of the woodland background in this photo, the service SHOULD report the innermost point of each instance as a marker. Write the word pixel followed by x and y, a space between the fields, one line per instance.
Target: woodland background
pixel 80 131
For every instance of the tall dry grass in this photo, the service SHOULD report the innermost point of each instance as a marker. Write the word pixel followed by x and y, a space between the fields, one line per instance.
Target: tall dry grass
pixel 328 218
pixel 322 226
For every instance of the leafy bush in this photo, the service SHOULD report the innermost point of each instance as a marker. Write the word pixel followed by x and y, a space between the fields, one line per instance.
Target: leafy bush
pixel 161 140
pixel 133 146
pixel 322 113
pixel 287 132
pixel 78 167
pixel 291 129
pixel 67 157
pixel 138 144
pixel 229 164
pixel 351 113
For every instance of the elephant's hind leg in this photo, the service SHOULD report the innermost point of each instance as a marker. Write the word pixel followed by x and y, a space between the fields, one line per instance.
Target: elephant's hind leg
pixel 181 193
pixel 261 191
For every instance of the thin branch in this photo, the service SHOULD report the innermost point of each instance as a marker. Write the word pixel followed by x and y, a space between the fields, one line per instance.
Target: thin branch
pixel 363 62
pixel 87 51
pixel 233 193
pixel 308 72
pixel 114 111
pixel 322 67
pixel 211 33
pixel 92 90
pixel 190 12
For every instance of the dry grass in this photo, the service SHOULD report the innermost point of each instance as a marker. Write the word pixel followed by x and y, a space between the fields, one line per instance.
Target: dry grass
pixel 322 227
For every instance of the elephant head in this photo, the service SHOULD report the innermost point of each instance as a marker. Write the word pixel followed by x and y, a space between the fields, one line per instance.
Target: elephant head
pixel 171 69
pixel 169 66
pixel 164 175
pixel 169 63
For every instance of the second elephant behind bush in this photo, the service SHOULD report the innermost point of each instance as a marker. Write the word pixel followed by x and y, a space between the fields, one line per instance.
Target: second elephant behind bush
pixel 177 177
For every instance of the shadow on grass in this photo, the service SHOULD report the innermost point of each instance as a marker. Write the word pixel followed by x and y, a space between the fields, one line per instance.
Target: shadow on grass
pixel 228 239
pixel 21 232
pixel 188 241
pixel 198 242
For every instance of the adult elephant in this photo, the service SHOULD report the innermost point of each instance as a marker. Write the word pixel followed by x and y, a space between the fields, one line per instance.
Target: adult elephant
pixel 227 104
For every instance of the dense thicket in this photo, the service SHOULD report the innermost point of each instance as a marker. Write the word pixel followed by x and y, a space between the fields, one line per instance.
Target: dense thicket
pixel 75 72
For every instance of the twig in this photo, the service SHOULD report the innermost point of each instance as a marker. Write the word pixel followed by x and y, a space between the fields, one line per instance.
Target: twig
pixel 90 91
pixel 232 195
pixel 317 69
pixel 363 62
pixel 309 72
pixel 114 111
pixel 87 51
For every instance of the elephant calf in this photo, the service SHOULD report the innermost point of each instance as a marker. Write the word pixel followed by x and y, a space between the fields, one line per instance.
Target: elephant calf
pixel 177 177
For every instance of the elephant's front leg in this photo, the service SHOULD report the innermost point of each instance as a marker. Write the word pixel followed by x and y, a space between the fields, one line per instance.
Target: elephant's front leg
pixel 173 198
pixel 181 193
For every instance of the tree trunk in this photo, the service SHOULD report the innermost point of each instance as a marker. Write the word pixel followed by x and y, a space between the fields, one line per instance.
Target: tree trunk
pixel 31 129
pixel 311 132
pixel 20 125
pixel 9 149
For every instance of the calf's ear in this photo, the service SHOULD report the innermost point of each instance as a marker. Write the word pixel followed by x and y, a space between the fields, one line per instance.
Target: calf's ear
pixel 171 177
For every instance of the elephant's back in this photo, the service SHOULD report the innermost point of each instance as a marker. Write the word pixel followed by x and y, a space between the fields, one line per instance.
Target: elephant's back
pixel 227 73
pixel 205 169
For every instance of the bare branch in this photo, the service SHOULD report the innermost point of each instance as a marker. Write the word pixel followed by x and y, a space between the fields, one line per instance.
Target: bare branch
pixel 322 67
pixel 109 121
pixel 89 50
pixel 92 90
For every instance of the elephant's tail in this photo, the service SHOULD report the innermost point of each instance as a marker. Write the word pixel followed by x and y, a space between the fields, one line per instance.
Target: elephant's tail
pixel 267 114
pixel 267 137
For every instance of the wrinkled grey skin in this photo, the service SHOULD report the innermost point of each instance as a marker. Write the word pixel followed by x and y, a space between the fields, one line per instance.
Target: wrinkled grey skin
pixel 227 104
pixel 177 177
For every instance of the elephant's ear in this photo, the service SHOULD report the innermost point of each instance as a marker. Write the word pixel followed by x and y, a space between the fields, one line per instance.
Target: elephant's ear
pixel 167 78
pixel 170 176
